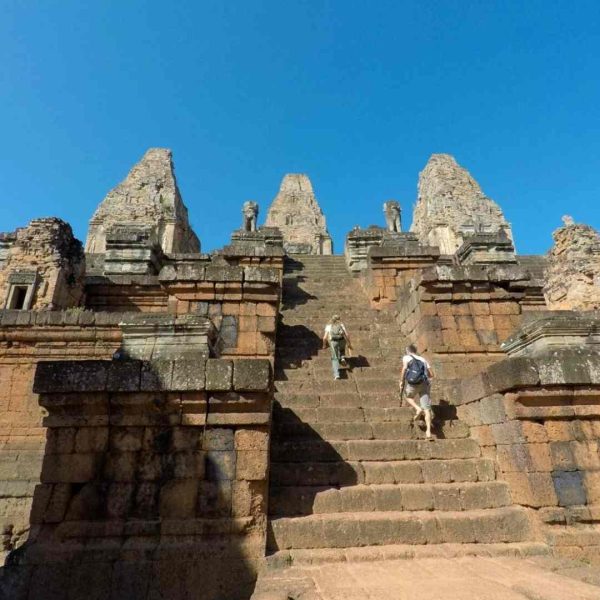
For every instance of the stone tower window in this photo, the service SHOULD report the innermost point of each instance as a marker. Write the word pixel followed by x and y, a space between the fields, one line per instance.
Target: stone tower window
pixel 18 297
pixel 289 220
pixel 21 287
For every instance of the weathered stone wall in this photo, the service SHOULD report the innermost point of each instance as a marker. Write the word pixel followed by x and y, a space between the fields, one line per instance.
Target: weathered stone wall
pixel 48 261
pixel 459 316
pixel 27 337
pixel 573 273
pixel 538 417
pixel 390 268
pixel 451 206
pixel 148 197
pixel 297 214
pixel 154 481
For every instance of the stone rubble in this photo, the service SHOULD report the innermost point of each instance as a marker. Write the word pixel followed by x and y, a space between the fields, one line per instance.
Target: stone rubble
pixel 573 272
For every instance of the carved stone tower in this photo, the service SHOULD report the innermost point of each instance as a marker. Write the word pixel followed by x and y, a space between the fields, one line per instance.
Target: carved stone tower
pixel 148 198
pixel 452 207
pixel 296 212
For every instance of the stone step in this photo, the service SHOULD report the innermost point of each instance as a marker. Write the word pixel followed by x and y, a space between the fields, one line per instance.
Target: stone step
pixel 373 472
pixel 580 535
pixel 321 359
pixel 345 530
pixel 375 407
pixel 283 559
pixel 362 386
pixel 367 431
pixel 372 450
pixel 319 371
pixel 386 406
pixel 326 409
pixel 305 500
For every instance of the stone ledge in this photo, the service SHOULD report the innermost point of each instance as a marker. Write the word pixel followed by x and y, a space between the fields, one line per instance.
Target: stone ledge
pixel 64 318
pixel 565 366
pixel 213 374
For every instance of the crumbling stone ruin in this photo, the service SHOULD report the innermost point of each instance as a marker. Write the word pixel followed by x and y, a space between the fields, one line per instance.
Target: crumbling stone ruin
pixel 41 267
pixel 573 277
pixel 297 214
pixel 451 206
pixel 149 198
pixel 170 428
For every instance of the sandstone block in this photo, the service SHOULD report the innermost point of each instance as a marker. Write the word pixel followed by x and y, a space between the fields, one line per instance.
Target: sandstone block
pixel 124 376
pixel 126 439
pixel 220 465
pixel 157 375
pixel 71 376
pixel 178 499
pixel 219 374
pixel 119 500
pixel 218 439
pixel 252 375
pixel 189 375
pixel 249 439
pixel 252 464
pixel 569 487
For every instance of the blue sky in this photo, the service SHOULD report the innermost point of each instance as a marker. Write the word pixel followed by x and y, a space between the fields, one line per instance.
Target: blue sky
pixel 357 94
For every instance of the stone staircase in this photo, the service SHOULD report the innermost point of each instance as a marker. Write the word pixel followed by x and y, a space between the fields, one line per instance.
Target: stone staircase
pixel 350 471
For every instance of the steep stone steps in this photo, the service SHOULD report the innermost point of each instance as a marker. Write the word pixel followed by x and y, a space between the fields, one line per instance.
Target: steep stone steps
pixel 373 472
pixel 377 528
pixel 306 500
pixel 315 557
pixel 351 414
pixel 347 431
pixel 350 472
pixel 379 450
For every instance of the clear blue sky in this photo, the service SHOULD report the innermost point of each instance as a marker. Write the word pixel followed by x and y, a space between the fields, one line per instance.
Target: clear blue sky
pixel 357 94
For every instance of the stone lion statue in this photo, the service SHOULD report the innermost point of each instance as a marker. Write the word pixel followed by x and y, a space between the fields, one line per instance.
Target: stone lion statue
pixel 250 213
pixel 391 208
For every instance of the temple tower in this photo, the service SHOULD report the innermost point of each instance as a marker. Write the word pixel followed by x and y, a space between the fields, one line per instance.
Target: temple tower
pixel 452 207
pixel 296 212
pixel 147 198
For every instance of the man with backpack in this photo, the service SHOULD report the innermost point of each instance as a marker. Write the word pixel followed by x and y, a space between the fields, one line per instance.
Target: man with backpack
pixel 337 337
pixel 415 377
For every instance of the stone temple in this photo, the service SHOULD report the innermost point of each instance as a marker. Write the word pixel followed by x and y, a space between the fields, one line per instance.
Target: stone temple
pixel 297 214
pixel 170 427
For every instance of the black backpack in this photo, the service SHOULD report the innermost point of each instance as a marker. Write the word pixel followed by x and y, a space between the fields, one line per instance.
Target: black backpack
pixel 416 372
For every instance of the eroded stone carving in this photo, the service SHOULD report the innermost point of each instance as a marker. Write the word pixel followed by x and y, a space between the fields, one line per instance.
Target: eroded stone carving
pixel 296 212
pixel 573 272
pixel 250 212
pixel 148 196
pixel 42 268
pixel 451 206
pixel 393 221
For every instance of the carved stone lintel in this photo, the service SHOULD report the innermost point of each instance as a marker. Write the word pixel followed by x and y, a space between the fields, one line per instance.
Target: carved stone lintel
pixel 158 337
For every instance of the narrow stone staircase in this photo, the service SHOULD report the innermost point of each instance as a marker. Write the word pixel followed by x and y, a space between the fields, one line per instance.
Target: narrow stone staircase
pixel 350 472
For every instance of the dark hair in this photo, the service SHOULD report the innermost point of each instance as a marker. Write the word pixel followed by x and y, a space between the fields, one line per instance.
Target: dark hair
pixel 412 349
